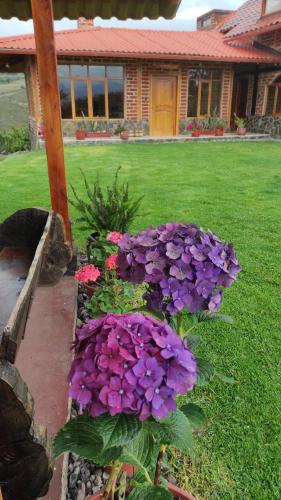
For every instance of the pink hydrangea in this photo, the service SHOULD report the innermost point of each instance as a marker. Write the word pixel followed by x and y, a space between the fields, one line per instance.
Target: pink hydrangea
pixel 110 262
pixel 87 273
pixel 114 236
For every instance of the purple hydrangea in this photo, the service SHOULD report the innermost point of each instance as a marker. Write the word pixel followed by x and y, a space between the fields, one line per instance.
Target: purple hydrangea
pixel 130 363
pixel 184 266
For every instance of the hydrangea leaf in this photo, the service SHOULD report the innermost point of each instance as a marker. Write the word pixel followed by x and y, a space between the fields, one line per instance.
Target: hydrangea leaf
pixel 80 436
pixel 205 371
pixel 201 316
pixel 140 452
pixel 150 492
pixel 225 378
pixel 174 430
pixel 118 430
pixel 195 415
pixel 193 341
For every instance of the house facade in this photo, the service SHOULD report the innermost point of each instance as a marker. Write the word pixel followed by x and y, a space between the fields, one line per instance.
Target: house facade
pixel 156 81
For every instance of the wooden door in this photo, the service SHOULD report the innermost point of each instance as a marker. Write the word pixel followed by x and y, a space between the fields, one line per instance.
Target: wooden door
pixel 163 105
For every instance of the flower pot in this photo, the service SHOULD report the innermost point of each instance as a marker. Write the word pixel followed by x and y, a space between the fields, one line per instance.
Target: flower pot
pixel 196 133
pixel 208 131
pixel 124 135
pixel 98 134
pixel 219 131
pixel 177 493
pixel 90 290
pixel 241 131
pixel 80 135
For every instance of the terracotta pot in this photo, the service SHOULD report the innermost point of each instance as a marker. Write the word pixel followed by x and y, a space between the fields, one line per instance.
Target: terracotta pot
pixel 90 290
pixel 241 131
pixel 208 131
pixel 196 133
pixel 124 135
pixel 98 134
pixel 219 131
pixel 80 135
pixel 176 492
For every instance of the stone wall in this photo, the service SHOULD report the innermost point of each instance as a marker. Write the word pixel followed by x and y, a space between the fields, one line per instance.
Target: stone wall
pixel 264 124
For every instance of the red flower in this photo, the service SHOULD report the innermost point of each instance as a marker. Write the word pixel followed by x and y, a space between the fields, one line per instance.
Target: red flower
pixel 87 273
pixel 114 237
pixel 110 262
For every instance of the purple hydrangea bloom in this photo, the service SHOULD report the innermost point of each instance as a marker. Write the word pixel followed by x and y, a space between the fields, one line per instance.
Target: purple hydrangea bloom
pixel 184 267
pixel 130 363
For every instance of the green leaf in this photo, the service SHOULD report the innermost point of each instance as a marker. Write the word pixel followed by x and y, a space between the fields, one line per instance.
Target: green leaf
pixel 155 314
pixel 193 341
pixel 174 430
pixel 205 371
pixel 139 452
pixel 118 430
pixel 225 379
pixel 195 415
pixel 150 492
pixel 212 316
pixel 80 436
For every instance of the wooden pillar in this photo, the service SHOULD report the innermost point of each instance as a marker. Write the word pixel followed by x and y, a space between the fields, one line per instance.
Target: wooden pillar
pixel 42 12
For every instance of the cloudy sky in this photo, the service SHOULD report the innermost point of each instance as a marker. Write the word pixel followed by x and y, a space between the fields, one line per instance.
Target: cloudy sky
pixel 185 19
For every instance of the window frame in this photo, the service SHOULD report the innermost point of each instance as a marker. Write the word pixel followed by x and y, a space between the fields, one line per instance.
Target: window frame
pixel 209 81
pixel 277 87
pixel 89 79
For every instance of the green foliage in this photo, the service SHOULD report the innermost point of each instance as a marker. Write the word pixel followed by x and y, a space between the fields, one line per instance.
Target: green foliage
pixel 139 452
pixel 15 139
pixel 201 316
pixel 114 210
pixel 150 492
pixel 195 415
pixel 174 430
pixel 205 371
pixel 112 296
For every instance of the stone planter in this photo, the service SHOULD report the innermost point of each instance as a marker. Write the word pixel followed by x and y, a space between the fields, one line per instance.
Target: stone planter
pixel 80 135
pixel 219 131
pixel 241 131
pixel 98 134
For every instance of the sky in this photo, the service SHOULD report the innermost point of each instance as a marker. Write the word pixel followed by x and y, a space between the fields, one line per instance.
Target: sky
pixel 185 19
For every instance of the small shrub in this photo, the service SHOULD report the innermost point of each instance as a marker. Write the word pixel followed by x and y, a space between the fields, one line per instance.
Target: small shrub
pixel 15 139
pixel 114 210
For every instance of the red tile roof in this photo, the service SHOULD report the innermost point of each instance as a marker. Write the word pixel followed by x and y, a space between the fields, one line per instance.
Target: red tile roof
pixel 153 44
pixel 247 21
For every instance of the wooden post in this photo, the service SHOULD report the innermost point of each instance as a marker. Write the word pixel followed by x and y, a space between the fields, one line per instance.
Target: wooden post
pixel 42 11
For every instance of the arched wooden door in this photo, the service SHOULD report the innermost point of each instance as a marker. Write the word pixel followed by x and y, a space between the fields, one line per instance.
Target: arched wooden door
pixel 163 105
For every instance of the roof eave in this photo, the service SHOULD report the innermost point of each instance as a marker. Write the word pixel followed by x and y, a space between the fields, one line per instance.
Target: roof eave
pixel 149 55
pixel 253 32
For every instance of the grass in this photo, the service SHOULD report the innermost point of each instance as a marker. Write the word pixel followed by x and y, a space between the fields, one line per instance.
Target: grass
pixel 234 189
pixel 13 102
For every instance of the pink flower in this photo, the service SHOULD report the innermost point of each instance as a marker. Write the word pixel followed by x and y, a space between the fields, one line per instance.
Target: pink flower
pixel 114 237
pixel 110 262
pixel 87 273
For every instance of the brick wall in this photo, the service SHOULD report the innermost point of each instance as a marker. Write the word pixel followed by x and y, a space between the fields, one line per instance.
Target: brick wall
pixel 272 39
pixel 265 79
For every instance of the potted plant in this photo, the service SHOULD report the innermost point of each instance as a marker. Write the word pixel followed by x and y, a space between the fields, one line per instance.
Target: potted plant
pixel 80 132
pixel 98 130
pixel 124 135
pixel 219 126
pixel 195 126
pixel 240 124
pixel 208 126
pixel 88 275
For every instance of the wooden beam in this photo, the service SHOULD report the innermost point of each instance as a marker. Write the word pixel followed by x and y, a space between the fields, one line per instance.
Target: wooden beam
pixel 42 12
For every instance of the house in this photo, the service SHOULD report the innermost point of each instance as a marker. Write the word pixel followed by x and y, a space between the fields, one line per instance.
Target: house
pixel 157 80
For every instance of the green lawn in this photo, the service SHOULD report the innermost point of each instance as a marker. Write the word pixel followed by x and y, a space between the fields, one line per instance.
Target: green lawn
pixel 235 190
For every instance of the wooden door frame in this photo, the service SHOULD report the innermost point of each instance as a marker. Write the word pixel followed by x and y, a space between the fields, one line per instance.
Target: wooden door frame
pixel 177 76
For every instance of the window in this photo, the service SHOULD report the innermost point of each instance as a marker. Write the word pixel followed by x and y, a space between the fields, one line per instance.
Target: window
pixel 270 6
pixel 273 104
pixel 204 92
pixel 91 91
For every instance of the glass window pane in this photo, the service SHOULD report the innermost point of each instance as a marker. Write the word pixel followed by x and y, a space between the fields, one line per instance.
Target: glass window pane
pixel 204 98
pixel 81 97
pixel 97 71
pixel 192 98
pixel 65 98
pixel 78 70
pixel 98 93
pixel 272 6
pixel 216 74
pixel 63 70
pixel 193 74
pixel 205 74
pixel 114 72
pixel 278 101
pixel 115 98
pixel 270 100
pixel 215 98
